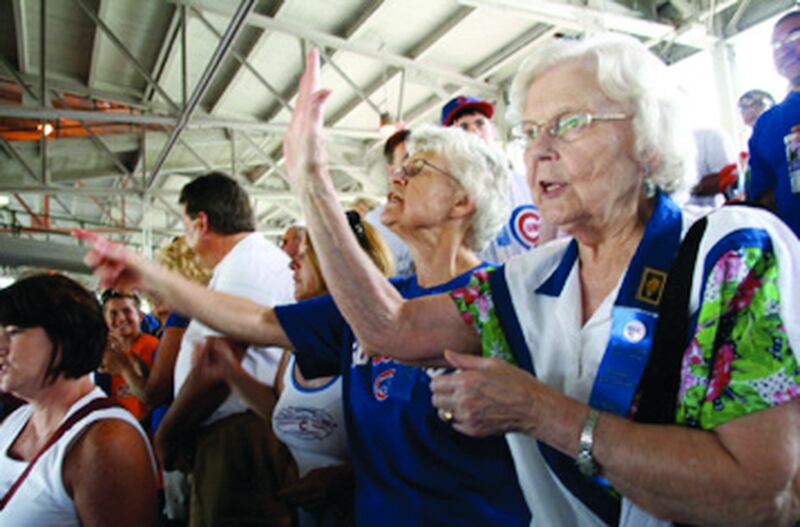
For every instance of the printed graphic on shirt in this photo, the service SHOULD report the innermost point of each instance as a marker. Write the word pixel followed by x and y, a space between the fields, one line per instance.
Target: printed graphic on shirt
pixel 305 423
pixel 524 225
pixel 390 379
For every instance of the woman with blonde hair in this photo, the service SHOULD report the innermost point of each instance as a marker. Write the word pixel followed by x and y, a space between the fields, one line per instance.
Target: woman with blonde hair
pixel 308 416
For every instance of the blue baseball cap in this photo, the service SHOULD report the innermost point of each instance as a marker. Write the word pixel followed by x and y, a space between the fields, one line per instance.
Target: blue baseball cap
pixel 462 103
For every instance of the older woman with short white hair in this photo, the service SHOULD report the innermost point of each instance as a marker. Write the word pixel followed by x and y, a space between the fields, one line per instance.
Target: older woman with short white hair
pixel 611 420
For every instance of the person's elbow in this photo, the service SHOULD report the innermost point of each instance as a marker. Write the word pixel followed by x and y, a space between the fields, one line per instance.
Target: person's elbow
pixel 772 493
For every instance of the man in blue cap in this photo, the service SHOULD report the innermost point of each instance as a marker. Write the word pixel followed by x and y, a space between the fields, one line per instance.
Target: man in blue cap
pixel 525 228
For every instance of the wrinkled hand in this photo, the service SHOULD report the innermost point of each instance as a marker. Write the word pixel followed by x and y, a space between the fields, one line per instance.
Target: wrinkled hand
pixel 218 358
pixel 318 487
pixel 487 396
pixel 304 142
pixel 114 264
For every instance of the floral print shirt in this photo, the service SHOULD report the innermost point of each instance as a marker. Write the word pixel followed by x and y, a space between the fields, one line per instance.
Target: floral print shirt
pixel 738 360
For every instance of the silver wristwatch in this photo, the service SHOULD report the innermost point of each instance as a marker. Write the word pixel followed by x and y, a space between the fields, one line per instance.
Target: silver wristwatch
pixel 585 460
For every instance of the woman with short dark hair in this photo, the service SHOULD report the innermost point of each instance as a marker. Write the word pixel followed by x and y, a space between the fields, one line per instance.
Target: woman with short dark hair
pixel 69 456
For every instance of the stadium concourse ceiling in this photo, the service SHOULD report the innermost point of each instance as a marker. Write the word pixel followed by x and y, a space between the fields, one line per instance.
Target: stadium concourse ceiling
pixel 107 107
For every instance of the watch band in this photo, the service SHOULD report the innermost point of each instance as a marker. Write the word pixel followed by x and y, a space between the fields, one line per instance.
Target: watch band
pixel 585 461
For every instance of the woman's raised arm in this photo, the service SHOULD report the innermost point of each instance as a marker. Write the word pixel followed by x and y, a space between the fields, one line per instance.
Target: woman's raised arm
pixel 383 321
pixel 237 317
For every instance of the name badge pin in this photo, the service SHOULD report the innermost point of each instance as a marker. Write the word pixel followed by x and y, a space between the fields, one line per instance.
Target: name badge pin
pixel 634 331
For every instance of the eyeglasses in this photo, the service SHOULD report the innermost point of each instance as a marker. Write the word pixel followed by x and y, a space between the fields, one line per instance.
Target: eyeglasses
pixel 791 38
pixel 414 167
pixel 568 126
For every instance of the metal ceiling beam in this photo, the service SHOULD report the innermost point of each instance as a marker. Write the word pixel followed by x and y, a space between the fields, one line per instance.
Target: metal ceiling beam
pixel 18 79
pixel 44 103
pixel 505 55
pixel 577 17
pixel 98 142
pixel 154 119
pixel 235 27
pixel 301 30
pixel 21 30
pixel 12 152
pixel 164 52
pixel 416 52
pixel 244 63
pixel 102 12
pixel 165 193
pixel 360 22
pixel 675 33
pixel 733 24
pixel 124 50
pixel 353 86
pixel 73 87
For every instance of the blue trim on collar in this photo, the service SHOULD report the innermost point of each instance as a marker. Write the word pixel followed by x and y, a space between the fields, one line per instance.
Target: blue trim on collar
pixel 555 283
pixel 596 498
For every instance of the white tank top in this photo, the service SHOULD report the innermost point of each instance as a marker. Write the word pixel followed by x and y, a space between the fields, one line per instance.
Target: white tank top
pixel 310 421
pixel 42 498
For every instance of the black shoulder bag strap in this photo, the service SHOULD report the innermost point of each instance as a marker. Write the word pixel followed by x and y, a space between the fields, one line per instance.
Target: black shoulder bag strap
pixel 658 388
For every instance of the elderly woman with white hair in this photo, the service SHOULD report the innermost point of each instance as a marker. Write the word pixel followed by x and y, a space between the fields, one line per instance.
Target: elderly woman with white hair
pixel 446 202
pixel 610 419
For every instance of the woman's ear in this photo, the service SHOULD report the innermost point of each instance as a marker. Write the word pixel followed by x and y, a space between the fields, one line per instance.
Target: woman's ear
pixel 463 205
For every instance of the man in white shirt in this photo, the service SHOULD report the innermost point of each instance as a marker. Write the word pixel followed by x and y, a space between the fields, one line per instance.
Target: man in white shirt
pixel 233 481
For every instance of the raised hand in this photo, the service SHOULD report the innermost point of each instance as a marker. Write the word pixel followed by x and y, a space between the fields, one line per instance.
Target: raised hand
pixel 304 142
pixel 114 264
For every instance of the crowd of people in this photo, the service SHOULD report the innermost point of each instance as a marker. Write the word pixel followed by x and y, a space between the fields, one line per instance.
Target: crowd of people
pixel 561 340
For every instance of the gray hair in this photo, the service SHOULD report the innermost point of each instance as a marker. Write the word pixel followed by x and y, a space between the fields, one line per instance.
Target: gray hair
pixel 628 73
pixel 483 172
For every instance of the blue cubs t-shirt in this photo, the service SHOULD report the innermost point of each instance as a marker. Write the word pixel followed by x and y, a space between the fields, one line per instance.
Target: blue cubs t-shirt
pixel 411 468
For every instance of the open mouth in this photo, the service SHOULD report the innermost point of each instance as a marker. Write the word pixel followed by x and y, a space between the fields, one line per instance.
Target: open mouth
pixel 551 186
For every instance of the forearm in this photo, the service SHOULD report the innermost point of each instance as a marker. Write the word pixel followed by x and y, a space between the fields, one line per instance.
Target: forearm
pixel 195 402
pixel 367 300
pixel 690 476
pixel 237 317
pixel 259 397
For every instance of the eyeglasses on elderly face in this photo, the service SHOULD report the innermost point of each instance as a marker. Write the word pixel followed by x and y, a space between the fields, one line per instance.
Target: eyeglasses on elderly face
pixel 568 126
pixel 414 167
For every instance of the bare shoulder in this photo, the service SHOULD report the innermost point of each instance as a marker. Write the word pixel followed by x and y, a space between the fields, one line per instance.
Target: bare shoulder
pixel 109 474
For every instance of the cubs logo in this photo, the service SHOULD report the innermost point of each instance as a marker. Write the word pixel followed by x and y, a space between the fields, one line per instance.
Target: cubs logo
pixel 382 383
pixel 524 225
pixel 306 423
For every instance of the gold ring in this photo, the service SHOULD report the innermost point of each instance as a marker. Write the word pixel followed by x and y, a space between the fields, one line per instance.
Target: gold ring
pixel 447 416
